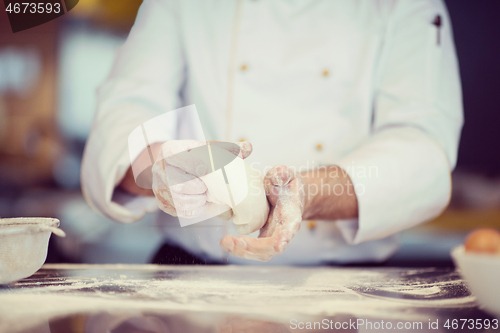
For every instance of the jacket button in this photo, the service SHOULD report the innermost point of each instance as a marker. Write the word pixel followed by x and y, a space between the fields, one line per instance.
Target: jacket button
pixel 242 139
pixel 311 224
pixel 319 147
pixel 243 67
pixel 326 73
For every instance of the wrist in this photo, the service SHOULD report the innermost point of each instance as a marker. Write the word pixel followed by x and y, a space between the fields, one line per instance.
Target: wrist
pixel 307 195
pixel 323 188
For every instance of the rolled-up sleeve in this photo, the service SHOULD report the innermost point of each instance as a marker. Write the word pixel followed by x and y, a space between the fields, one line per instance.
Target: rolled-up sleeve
pixel 144 83
pixel 402 172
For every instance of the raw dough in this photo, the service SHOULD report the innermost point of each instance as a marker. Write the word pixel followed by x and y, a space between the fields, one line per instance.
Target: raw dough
pixel 249 204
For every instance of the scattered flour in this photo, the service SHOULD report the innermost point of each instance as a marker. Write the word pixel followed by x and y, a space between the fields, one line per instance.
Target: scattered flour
pixel 272 292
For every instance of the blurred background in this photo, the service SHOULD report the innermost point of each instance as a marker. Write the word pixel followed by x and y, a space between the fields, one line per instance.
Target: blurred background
pixel 48 78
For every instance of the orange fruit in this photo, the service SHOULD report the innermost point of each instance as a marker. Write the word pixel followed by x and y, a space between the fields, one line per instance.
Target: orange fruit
pixel 483 241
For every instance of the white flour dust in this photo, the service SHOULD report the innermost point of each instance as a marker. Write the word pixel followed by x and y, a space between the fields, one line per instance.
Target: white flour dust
pixel 279 292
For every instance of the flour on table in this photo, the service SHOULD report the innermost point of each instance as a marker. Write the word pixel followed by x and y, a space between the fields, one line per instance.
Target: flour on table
pixel 272 292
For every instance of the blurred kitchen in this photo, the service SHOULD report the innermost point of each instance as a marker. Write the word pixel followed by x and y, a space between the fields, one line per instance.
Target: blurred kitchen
pixel 48 78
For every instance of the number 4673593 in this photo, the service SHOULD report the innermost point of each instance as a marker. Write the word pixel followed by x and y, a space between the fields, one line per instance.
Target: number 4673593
pixel 33 8
pixel 462 324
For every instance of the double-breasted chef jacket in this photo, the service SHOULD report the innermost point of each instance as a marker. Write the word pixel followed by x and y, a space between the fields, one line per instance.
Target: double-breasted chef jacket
pixel 369 85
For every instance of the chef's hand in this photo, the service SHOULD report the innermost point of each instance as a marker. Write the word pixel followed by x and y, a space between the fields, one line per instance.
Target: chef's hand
pixel 285 193
pixel 182 172
pixel 326 193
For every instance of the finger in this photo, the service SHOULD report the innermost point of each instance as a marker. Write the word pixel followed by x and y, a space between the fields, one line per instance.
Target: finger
pixel 189 163
pixel 176 153
pixel 283 223
pixel 188 201
pixel 268 229
pixel 177 204
pixel 181 182
pixel 280 175
pixel 173 147
pixel 167 208
pixel 175 208
pixel 241 149
pixel 261 246
pixel 161 191
pixel 164 196
pixel 276 178
pixel 237 247
pixel 195 212
pixel 292 189
pixel 242 246
pixel 164 201
pixel 287 217
pixel 246 149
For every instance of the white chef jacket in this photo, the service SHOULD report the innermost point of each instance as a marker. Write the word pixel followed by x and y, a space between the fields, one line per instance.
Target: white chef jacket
pixel 370 86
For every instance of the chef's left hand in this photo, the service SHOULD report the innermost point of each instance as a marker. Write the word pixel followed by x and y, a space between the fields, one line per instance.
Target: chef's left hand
pixel 285 193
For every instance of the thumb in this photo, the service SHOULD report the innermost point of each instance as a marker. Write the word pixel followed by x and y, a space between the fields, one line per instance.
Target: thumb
pixel 276 178
pixel 245 149
pixel 241 149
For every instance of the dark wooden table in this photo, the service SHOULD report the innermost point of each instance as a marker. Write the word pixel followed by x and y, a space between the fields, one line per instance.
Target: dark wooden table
pixel 149 298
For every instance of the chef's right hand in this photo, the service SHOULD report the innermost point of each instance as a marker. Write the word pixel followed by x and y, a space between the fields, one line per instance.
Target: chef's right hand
pixel 176 184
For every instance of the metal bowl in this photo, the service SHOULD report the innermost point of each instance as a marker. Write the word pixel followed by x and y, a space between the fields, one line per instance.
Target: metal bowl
pixel 482 274
pixel 23 245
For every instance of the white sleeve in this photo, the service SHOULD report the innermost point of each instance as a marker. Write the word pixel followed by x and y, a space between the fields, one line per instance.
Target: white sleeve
pixel 402 172
pixel 144 83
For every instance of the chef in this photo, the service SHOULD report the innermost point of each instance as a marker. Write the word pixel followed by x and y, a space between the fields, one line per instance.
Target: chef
pixel 361 98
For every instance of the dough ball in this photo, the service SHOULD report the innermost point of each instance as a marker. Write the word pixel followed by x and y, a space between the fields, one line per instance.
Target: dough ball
pixel 249 201
pixel 483 241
